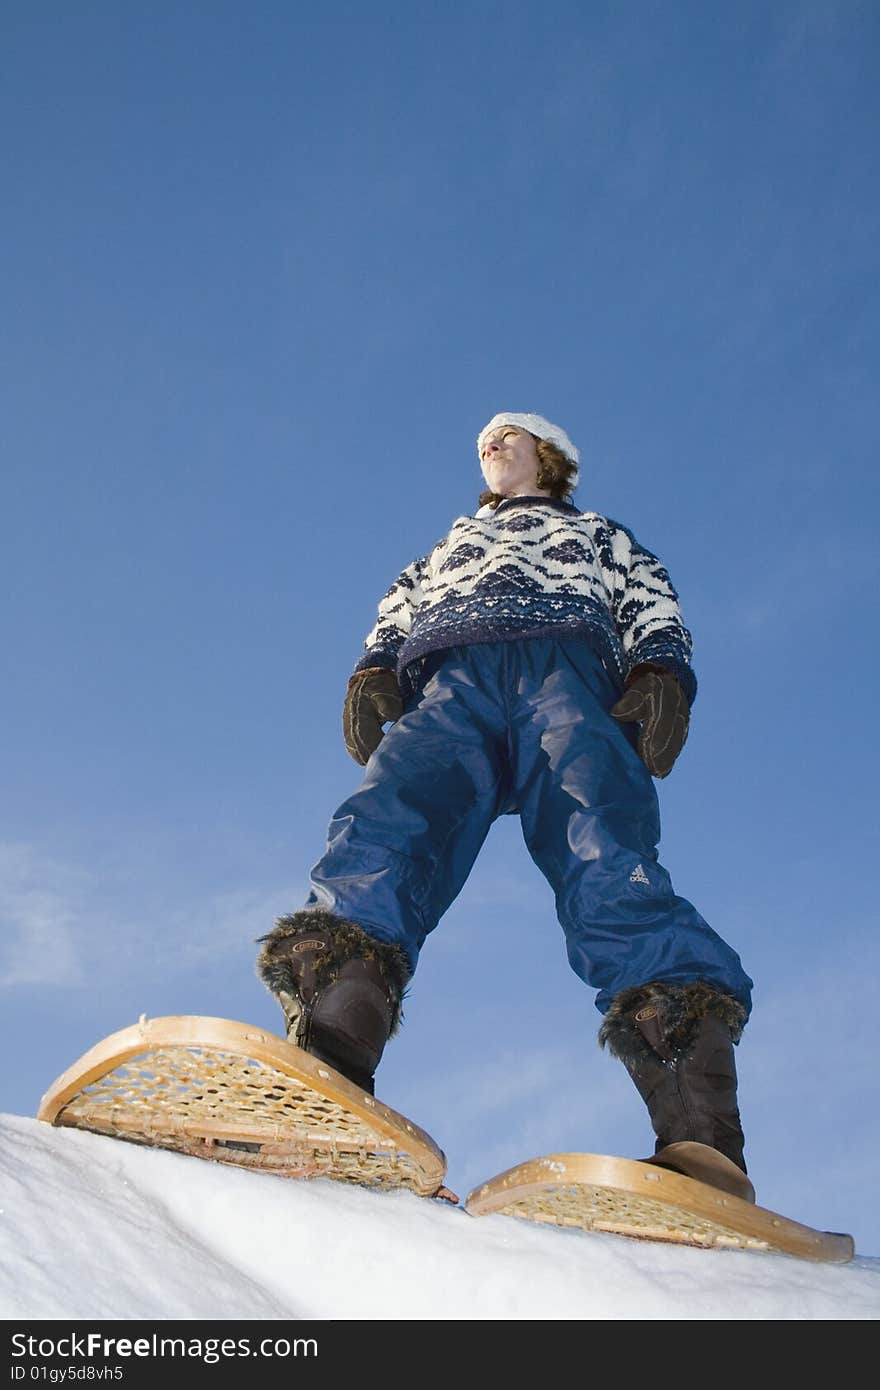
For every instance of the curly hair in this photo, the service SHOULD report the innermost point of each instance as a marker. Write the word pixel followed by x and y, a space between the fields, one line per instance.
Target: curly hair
pixel 555 473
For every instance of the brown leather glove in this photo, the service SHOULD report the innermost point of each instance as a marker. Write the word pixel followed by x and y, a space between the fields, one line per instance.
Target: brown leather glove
pixel 655 700
pixel 372 699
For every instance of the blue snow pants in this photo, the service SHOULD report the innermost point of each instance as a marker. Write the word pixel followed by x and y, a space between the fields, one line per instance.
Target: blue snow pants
pixel 520 727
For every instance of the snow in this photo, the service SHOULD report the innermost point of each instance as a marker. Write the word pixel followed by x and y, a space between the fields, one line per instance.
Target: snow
pixel 92 1228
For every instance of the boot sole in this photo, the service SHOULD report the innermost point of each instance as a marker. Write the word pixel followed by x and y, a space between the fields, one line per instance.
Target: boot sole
pixel 706 1165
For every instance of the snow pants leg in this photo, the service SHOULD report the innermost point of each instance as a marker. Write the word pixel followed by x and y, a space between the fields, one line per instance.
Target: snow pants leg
pixel 520 727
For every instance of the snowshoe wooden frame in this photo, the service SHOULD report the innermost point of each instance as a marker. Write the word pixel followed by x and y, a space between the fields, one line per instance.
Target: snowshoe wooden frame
pixel 632 1198
pixel 219 1089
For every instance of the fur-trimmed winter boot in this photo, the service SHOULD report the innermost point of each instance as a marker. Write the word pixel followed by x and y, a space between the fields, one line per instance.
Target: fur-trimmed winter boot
pixel 676 1042
pixel 340 989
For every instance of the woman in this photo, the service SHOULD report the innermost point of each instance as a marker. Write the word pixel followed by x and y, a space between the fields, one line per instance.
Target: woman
pixel 534 663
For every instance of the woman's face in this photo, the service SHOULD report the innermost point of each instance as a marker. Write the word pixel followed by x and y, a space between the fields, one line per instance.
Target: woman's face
pixel 509 458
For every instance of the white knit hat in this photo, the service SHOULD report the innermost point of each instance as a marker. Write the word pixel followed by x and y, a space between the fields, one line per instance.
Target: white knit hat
pixel 538 426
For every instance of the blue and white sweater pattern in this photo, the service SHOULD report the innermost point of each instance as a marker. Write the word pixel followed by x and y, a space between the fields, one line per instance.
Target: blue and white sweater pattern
pixel 534 567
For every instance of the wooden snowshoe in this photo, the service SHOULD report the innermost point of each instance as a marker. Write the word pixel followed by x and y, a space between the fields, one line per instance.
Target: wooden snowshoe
pixel 217 1089
pixel 633 1198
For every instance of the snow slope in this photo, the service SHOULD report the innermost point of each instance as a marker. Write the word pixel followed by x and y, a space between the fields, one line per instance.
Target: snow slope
pixel 92 1228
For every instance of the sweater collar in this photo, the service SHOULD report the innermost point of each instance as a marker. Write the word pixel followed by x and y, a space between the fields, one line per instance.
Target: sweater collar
pixel 554 502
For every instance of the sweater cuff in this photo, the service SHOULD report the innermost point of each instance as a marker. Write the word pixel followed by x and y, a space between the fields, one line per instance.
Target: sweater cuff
pixel 665 656
pixel 377 657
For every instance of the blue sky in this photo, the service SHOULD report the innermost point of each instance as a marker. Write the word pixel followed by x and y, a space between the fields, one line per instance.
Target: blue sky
pixel 267 271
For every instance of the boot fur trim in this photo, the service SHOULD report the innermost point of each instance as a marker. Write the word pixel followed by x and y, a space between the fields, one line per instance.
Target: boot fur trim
pixel 350 942
pixel 679 1011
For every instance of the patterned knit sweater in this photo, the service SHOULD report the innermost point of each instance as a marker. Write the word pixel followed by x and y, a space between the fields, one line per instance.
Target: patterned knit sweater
pixel 534 567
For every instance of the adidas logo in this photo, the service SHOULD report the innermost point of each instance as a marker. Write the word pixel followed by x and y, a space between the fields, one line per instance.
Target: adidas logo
pixel 638 875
